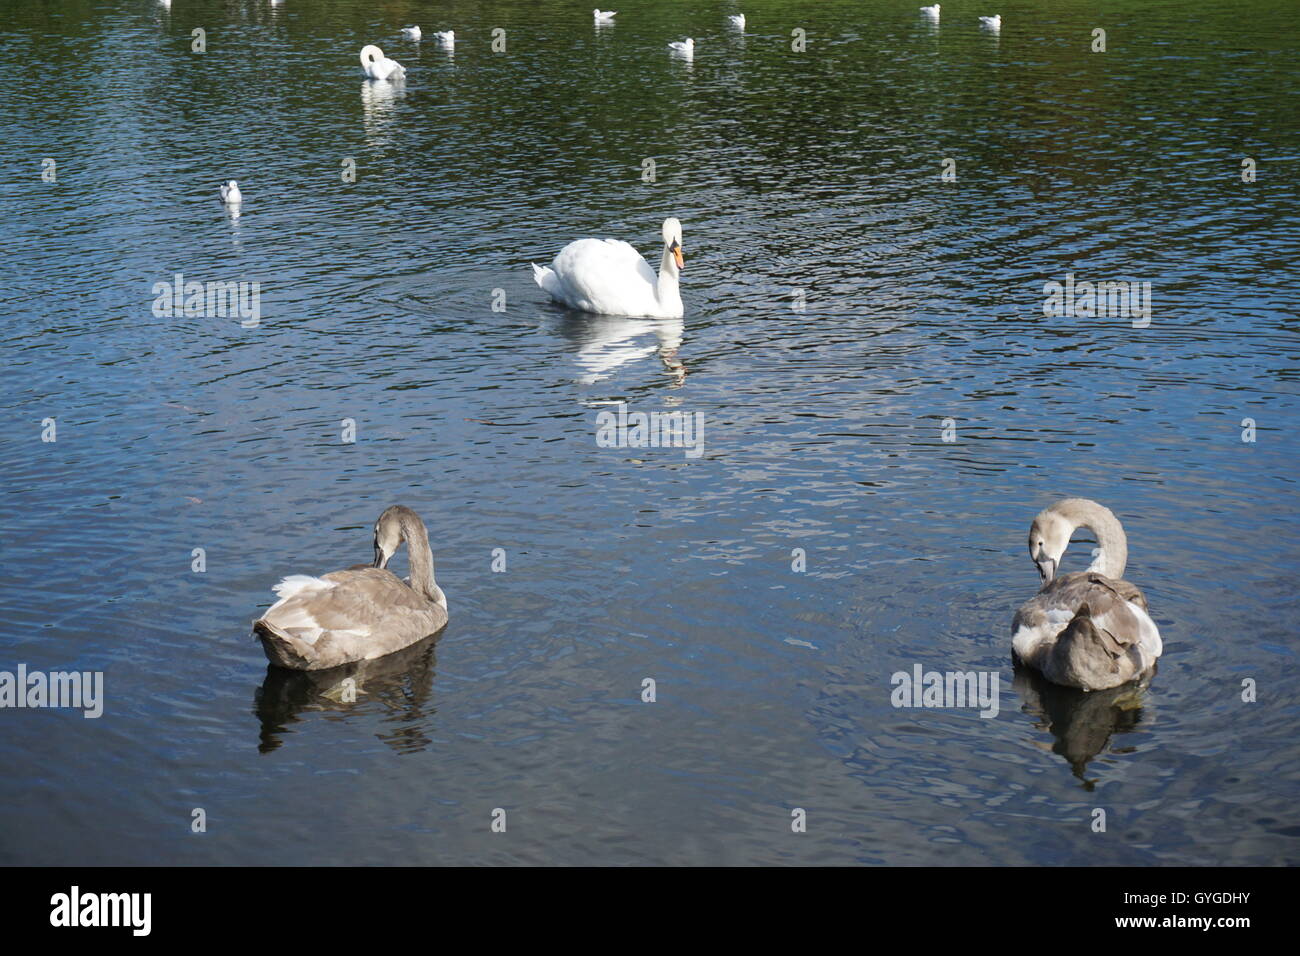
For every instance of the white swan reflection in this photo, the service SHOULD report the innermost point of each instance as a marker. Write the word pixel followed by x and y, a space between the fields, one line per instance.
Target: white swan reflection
pixel 607 343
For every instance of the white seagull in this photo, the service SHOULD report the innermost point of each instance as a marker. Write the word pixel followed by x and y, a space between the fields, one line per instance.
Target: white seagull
pixel 993 23
pixel 737 20
pixel 931 11
pixel 412 33
pixel 230 192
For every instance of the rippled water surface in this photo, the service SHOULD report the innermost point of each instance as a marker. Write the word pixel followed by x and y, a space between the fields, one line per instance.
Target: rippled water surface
pixel 812 177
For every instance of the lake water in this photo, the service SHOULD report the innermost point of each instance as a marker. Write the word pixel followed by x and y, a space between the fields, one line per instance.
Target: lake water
pixel 809 178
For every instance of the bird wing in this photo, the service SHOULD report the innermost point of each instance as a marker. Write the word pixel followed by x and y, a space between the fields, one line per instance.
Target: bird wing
pixel 359 614
pixel 1116 610
pixel 606 275
pixel 1109 604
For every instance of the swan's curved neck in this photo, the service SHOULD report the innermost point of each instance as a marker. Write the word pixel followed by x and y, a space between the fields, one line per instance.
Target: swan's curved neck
pixel 666 289
pixel 420 557
pixel 1111 540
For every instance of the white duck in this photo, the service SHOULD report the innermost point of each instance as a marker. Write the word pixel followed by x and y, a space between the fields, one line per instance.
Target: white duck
pixel 411 33
pixel 737 20
pixel 380 67
pixel 683 47
pixel 604 16
pixel 993 22
pixel 931 11
pixel 445 37
pixel 1089 629
pixel 230 192
pixel 610 277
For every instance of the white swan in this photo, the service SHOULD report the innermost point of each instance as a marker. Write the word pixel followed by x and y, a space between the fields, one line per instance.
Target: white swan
pixel 684 47
pixel 931 11
pixel 1089 629
pixel 993 22
pixel 445 37
pixel 604 16
pixel 610 277
pixel 737 20
pixel 230 192
pixel 411 33
pixel 378 66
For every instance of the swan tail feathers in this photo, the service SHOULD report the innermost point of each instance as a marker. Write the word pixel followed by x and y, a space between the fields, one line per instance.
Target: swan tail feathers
pixel 544 276
pixel 298 583
pixel 283 647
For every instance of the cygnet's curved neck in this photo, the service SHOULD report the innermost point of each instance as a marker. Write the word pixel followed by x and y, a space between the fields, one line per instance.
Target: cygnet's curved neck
pixel 1111 540
pixel 420 557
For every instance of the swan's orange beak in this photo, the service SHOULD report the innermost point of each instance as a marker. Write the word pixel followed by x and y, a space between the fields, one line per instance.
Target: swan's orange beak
pixel 677 256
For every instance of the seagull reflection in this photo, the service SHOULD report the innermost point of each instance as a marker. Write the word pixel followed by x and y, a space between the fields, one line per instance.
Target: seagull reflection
pixel 1082 722
pixel 397 688
pixel 605 343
